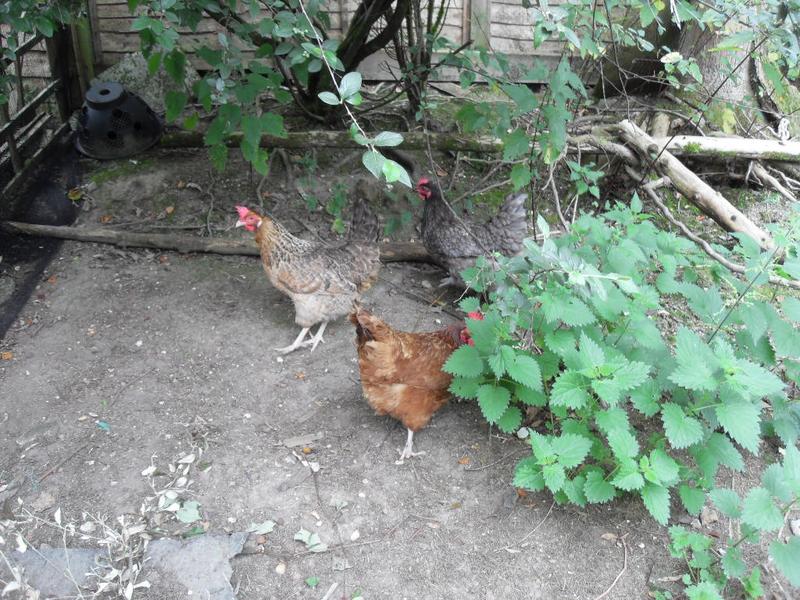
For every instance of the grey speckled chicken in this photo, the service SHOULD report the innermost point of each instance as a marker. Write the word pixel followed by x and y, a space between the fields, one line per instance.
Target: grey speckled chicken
pixel 322 281
pixel 456 249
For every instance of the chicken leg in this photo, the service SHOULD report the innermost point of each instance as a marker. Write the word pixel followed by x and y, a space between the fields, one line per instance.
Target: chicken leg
pixel 295 344
pixel 317 336
pixel 407 451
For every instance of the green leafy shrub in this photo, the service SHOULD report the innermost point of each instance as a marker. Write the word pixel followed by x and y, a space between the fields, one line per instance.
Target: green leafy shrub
pixel 656 366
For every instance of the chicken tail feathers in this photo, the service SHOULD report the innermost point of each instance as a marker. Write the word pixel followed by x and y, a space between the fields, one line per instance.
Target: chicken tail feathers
pixel 364 226
pixel 510 226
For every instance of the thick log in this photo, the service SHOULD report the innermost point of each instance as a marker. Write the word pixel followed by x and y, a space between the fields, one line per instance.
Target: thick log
pixel 390 252
pixel 730 147
pixel 697 191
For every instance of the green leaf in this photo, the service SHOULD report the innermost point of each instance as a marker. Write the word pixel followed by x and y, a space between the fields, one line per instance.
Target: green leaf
pixel 525 370
pixel 515 145
pixel 465 387
pixel 522 96
pixel 350 84
pixel 174 102
pixel 732 564
pixel 752 584
pixel 696 364
pixel 329 98
pixel 219 156
pixel 591 354
pixel 727 502
pixel 646 398
pixel 791 468
pixel 791 308
pixel 787 559
pixel 664 466
pixel 465 362
pixel 656 500
pixel 597 489
pixel 760 511
pixel 520 176
pixel 528 396
pixel 613 418
pixel 251 129
pixel 622 443
pixel 175 65
pixel 493 400
pixel 511 420
pixel 189 512
pixel 554 476
pixel 628 477
pixel 394 171
pixel 569 390
pixel 312 582
pixel 724 452
pixel 682 431
pixel 574 490
pixel 571 449
pixel 692 498
pixel 741 421
pixel 373 160
pixel 528 475
pixel 272 124
pixel 704 590
pixel 387 138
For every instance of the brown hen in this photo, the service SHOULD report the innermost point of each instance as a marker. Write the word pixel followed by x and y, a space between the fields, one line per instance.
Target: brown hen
pixel 322 281
pixel 401 372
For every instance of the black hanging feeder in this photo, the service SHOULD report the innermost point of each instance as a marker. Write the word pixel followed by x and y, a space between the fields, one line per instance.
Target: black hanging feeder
pixel 115 123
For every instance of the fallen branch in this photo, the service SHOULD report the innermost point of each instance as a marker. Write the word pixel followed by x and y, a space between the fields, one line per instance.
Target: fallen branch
pixel 390 252
pixel 731 266
pixel 730 147
pixel 697 191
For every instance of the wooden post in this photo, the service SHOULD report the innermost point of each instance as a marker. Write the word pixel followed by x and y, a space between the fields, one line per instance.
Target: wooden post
pixel 16 159
pixel 58 57
pixel 481 23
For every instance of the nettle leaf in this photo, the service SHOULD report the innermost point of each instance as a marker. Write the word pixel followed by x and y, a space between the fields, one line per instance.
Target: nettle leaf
pixel 760 511
pixel 528 475
pixel 791 308
pixel 590 353
pixel 520 176
pixel 732 564
pixel 791 468
pixel 174 102
pixel 554 476
pixel 628 476
pixel 569 390
pixel 705 590
pixel 272 124
pixel 682 430
pixel 525 370
pixel 574 490
pixel 560 341
pixel 664 466
pixel 646 398
pixel 727 502
pixel 622 443
pixel 571 449
pixel 693 499
pixel 542 449
pixel 464 362
pixel 773 479
pixel 696 363
pixel 465 387
pixel 515 145
pixel 493 400
pixel 787 559
pixel 724 452
pixel 528 396
pixel 511 420
pixel 597 489
pixel 656 500
pixel 741 421
pixel 613 418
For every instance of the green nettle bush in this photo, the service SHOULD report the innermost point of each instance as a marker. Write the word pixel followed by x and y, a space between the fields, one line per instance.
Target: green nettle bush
pixel 638 402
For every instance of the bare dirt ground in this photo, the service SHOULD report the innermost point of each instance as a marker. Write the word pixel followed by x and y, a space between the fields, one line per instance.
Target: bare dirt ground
pixel 123 357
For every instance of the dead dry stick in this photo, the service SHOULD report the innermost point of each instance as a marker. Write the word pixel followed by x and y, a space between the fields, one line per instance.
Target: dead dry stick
pixel 769 180
pixel 691 186
pixel 531 532
pixel 731 266
pixel 390 252
pixel 621 573
pixel 329 594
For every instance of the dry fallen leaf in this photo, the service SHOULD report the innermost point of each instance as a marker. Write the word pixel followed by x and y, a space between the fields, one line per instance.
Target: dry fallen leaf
pixel 300 375
pixel 441 173
pixel 610 537
pixel 163 259
pixel 106 219
pixel 52 279
pixel 169 210
pixel 464 460
pixel 307 450
pixel 181 184
pixel 521 493
pixel 6 355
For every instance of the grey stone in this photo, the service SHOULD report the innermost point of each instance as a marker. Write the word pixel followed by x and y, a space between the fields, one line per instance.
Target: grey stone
pixel 54 572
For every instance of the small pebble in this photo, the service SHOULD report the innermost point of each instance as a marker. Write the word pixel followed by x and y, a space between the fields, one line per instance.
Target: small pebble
pixel 280 569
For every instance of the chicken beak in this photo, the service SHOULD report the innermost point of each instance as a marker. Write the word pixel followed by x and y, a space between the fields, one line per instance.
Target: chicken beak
pixel 240 223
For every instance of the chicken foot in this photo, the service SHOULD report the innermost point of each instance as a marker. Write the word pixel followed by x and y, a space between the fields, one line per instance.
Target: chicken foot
pixel 407 452
pixel 300 341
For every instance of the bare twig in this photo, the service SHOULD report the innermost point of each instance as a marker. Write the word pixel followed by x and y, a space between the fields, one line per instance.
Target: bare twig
pixel 622 572
pixel 532 531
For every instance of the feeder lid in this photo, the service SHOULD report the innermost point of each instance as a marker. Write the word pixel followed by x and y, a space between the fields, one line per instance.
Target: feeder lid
pixel 105 94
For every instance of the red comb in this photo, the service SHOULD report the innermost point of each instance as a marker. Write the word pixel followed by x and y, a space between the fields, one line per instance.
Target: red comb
pixel 242 210
pixel 423 181
pixel 476 315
